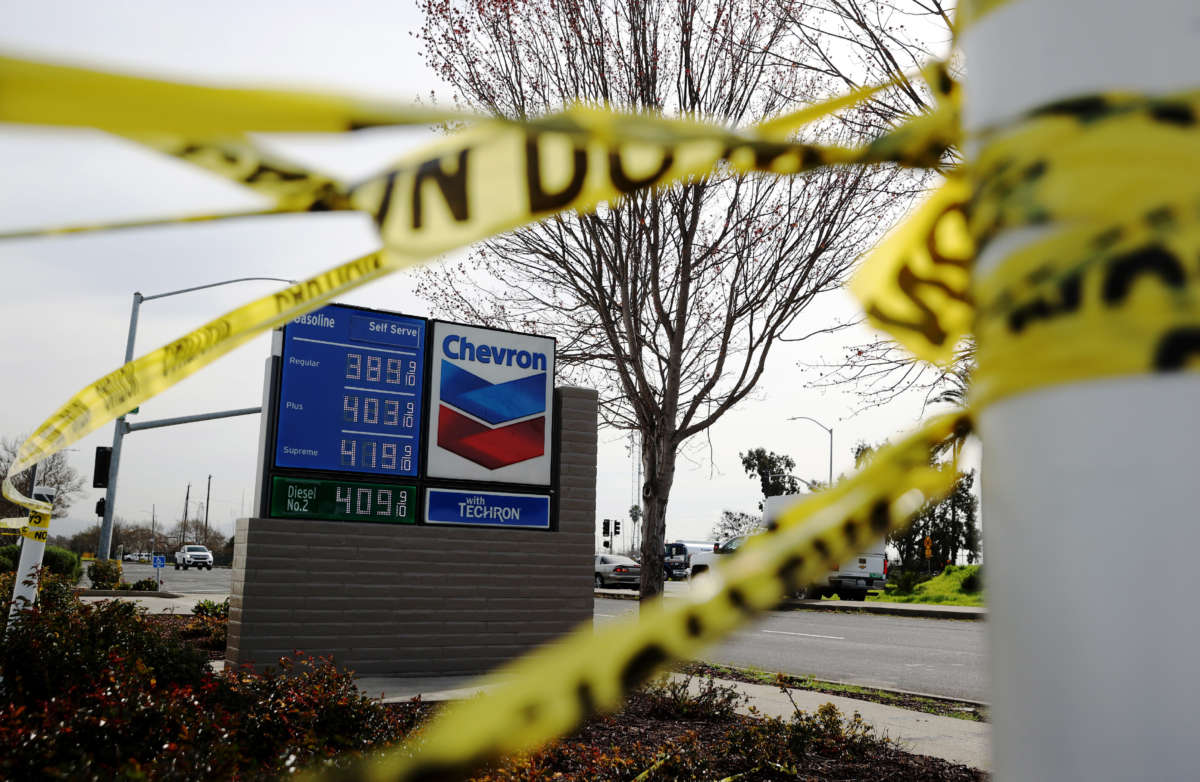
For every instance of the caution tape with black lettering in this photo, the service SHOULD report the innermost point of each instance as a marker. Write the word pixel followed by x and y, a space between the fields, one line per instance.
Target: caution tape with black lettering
pixel 1122 274
pixel 490 177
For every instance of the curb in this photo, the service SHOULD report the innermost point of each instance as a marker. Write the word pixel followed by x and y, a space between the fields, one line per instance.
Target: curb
pixel 618 594
pixel 123 593
pixel 929 695
pixel 917 609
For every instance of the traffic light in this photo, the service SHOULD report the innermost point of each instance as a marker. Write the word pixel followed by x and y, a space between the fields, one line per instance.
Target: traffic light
pixel 100 506
pixel 616 526
pixel 604 529
pixel 100 473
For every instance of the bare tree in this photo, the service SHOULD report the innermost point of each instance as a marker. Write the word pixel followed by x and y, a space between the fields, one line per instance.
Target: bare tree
pixel 53 471
pixel 668 302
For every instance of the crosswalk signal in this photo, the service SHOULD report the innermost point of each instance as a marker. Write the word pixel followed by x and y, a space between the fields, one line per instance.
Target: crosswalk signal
pixel 604 528
pixel 100 503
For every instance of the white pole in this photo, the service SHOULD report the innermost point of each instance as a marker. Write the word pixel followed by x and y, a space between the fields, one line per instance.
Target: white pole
pixel 1089 490
pixel 33 546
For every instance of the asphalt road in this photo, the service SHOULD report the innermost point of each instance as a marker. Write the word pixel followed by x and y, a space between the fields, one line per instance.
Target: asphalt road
pixel 935 656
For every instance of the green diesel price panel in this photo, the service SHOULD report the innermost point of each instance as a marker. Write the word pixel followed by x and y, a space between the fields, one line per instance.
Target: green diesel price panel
pixel 307 498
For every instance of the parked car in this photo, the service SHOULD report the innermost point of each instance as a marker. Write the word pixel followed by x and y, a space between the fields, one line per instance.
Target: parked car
pixel 193 555
pixel 704 560
pixel 617 570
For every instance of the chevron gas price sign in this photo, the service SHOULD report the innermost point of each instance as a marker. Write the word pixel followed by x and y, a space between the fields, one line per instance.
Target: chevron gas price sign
pixel 384 418
pixel 490 405
pixel 351 392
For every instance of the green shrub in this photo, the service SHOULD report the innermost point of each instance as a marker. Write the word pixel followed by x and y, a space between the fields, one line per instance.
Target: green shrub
pixel 54 592
pixel 973 581
pixel 828 733
pixel 212 608
pixel 909 580
pixel 56 560
pixel 7 564
pixel 674 696
pixel 62 562
pixel 104 574
pixel 145 585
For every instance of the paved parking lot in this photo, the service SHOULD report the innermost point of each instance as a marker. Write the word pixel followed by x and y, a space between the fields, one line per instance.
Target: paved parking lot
pixel 217 581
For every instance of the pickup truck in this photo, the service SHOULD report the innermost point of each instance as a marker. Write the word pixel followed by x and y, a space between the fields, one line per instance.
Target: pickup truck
pixel 193 555
pixel 850 580
pixel 853 577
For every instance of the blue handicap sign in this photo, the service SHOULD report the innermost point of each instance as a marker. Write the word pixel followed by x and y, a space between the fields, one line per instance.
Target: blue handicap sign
pixel 160 561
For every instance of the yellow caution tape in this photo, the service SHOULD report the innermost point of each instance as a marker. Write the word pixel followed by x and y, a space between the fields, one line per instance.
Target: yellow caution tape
pixel 488 178
pixel 969 12
pixel 916 284
pixel 550 690
pixel 494 175
pixel 48 94
pixel 1046 316
pixel 37 527
pixel 141 379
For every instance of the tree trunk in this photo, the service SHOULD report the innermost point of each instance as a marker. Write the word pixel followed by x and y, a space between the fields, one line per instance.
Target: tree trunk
pixel 658 461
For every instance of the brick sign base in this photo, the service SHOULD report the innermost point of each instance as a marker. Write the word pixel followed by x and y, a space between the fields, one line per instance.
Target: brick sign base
pixel 421 600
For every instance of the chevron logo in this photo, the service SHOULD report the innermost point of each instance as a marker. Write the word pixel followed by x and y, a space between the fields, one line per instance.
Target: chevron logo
pixel 489 423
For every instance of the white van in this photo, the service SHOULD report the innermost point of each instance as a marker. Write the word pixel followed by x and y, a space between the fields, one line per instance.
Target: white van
pixel 853 577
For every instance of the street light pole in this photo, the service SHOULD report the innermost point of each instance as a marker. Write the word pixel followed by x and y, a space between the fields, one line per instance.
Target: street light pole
pixel 207 496
pixel 829 431
pixel 121 428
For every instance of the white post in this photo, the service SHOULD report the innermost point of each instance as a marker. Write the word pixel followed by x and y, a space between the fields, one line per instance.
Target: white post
pixel 33 546
pixel 1089 490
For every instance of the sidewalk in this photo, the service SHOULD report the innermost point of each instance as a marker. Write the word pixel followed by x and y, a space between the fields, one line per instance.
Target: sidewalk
pixel 158 604
pixel 955 740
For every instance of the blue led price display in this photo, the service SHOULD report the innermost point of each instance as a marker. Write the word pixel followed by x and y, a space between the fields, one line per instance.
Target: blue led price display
pixel 350 398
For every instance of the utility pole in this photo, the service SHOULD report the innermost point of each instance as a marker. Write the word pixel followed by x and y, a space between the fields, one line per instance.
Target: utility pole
pixel 183 526
pixel 207 495
pixel 153 535
pixel 1095 477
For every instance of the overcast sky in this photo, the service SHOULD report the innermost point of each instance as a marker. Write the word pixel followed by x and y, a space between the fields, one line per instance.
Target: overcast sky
pixel 67 299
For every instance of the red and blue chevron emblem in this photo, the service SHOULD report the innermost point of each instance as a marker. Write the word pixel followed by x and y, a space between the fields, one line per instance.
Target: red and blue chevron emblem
pixel 474 417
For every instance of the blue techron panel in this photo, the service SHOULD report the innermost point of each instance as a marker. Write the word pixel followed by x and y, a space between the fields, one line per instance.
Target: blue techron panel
pixel 350 396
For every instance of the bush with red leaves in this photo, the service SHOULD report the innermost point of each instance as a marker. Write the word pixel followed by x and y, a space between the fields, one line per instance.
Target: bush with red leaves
pixel 98 692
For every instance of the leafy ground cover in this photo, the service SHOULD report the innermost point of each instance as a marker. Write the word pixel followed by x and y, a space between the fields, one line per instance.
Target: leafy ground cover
pixel 104 691
pixel 651 740
pixel 945 707
pixel 957 585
